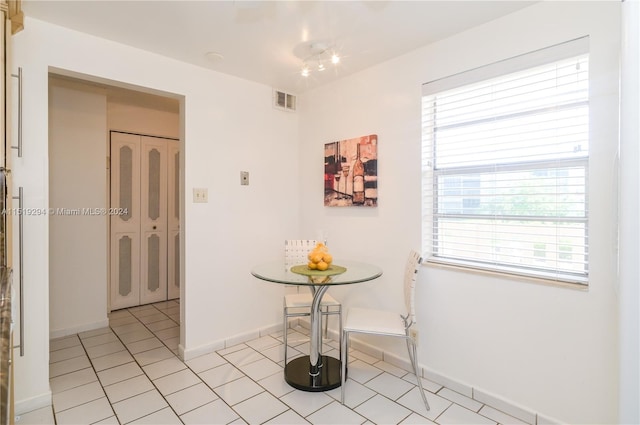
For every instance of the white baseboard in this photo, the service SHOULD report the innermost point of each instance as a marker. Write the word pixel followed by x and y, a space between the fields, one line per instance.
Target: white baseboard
pixel 496 401
pixel 240 338
pixel 226 343
pixel 464 388
pixel 34 403
pixel 270 330
pixel 59 333
pixel 505 405
pixel 192 353
pixel 546 420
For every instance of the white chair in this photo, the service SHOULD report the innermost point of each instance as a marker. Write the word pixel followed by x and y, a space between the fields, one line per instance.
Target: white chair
pixel 299 305
pixel 385 323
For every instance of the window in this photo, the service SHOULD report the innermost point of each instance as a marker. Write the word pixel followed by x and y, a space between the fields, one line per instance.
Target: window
pixel 505 165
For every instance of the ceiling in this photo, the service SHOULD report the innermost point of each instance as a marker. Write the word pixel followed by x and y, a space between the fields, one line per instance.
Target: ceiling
pixel 266 41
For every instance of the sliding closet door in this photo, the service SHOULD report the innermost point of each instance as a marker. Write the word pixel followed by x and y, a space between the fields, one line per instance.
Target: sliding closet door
pixel 125 226
pixel 173 203
pixel 153 250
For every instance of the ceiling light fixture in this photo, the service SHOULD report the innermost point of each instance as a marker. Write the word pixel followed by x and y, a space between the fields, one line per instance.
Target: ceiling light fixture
pixel 316 52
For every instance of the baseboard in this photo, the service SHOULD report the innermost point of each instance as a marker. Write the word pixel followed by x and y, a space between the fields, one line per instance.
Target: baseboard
pixel 78 329
pixel 192 353
pixel 505 405
pixel 270 330
pixel 34 403
pixel 546 420
pixel 496 401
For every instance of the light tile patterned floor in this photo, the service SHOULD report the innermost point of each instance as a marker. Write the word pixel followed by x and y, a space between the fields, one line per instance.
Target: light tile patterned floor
pixel 130 373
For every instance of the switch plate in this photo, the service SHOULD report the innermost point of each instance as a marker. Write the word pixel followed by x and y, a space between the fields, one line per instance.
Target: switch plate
pixel 244 178
pixel 200 195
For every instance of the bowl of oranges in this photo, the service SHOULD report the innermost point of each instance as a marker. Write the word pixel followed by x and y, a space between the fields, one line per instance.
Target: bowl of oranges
pixel 320 263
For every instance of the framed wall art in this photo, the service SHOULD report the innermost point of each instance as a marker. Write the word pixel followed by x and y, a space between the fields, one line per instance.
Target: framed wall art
pixel 351 172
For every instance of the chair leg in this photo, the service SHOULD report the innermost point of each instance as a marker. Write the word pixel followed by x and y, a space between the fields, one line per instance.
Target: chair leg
pixel 284 336
pixel 344 353
pixel 324 316
pixel 413 354
pixel 340 331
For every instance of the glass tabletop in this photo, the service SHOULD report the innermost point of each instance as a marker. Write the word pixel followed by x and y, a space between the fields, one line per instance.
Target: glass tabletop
pixel 355 272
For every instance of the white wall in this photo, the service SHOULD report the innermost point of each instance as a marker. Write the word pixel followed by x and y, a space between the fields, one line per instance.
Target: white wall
pixel 77 180
pixel 143 114
pixel 544 349
pixel 228 126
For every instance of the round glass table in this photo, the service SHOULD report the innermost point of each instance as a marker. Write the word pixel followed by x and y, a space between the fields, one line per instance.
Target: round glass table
pixel 315 372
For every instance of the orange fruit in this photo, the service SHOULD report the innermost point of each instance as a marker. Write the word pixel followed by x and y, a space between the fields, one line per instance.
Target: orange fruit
pixel 316 258
pixel 312 265
pixel 327 258
pixel 322 265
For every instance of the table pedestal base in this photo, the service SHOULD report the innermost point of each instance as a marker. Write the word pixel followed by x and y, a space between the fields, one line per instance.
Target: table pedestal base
pixel 296 373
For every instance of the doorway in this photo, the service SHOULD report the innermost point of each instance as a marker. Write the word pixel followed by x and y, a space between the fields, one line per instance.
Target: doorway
pixel 82 114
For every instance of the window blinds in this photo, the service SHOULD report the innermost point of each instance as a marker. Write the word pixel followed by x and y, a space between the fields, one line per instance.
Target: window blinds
pixel 505 166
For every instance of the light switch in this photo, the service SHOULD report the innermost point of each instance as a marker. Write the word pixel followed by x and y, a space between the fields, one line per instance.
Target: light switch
pixel 244 178
pixel 200 195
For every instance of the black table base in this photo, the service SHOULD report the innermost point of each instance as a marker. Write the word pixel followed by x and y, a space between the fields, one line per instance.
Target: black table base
pixel 296 373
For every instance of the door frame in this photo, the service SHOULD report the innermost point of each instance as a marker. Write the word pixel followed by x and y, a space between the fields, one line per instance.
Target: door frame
pixel 109 84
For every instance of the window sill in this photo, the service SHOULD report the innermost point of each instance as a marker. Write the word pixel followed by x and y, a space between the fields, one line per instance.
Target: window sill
pixel 466 268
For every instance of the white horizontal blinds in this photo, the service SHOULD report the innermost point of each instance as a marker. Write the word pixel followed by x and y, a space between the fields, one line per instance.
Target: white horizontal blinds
pixel 505 171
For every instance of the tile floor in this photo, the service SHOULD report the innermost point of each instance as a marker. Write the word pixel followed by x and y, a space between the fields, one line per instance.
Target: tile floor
pixel 130 373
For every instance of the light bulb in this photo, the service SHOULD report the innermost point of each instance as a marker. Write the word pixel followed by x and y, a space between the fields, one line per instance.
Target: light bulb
pixel 335 59
pixel 320 66
pixel 305 71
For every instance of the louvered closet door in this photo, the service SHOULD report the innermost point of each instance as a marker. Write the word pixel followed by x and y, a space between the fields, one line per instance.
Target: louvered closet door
pixel 145 241
pixel 153 248
pixel 125 226
pixel 173 204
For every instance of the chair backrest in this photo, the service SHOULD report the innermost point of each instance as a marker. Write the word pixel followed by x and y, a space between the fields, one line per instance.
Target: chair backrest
pixel 410 277
pixel 296 251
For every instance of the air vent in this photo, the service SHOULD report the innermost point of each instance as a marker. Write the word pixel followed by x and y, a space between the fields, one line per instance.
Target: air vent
pixel 284 101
